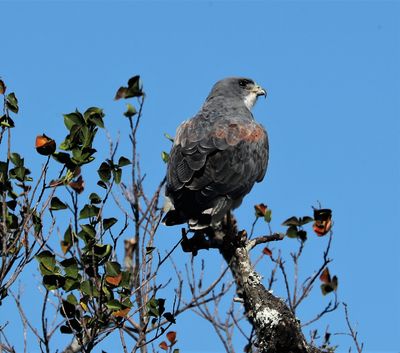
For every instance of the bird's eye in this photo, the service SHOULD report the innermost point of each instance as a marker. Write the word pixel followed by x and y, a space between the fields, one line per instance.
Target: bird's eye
pixel 244 82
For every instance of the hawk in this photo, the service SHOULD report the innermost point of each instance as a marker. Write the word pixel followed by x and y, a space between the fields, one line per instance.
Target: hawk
pixel 217 156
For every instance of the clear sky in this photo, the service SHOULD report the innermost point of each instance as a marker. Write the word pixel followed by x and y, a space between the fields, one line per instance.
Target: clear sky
pixel 333 78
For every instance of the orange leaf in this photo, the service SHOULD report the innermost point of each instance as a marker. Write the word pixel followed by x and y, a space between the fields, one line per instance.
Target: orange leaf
pixel 325 276
pixel 65 246
pixel 171 336
pixel 267 251
pixel 45 145
pixel 323 221
pixel 122 312
pixel 115 281
pixel 163 345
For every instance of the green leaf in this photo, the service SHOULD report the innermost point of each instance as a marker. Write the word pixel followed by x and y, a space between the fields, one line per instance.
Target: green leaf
pixel 3 294
pixel 66 244
pixel 169 137
pixel 164 156
pixel 134 89
pixel 56 204
pixel 85 237
pixel 292 232
pixel 113 268
pixel 16 159
pixel 89 289
pixel 268 215
pixel 72 299
pixel 302 235
pixel 20 173
pixel 95 115
pixel 44 271
pixel 155 307
pixel 292 221
pixel 47 259
pixel 89 229
pixel 117 175
pixel 169 317
pixel 73 119
pixel 126 280
pixel 104 172
pixel 3 172
pixel 102 250
pixel 94 198
pixel 114 305
pixel 72 283
pixel 62 157
pixel 109 222
pixel 89 211
pixel 66 330
pixel 152 307
pixel 130 111
pixel 52 282
pixel 70 267
pixel 149 249
pixel 306 219
pixel 12 204
pixel 102 184
pixel 123 161
pixel 127 302
pixel 12 221
pixel 67 309
pixel 12 102
pixel 7 121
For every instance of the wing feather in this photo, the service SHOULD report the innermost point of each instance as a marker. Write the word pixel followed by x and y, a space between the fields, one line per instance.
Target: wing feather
pixel 215 164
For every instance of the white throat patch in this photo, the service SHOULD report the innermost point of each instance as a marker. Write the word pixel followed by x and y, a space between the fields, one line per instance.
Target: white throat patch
pixel 250 100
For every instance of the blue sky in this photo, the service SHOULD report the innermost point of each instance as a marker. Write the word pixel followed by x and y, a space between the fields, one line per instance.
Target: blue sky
pixel 332 113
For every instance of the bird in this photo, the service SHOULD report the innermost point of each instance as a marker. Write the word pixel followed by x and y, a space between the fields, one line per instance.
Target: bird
pixel 217 156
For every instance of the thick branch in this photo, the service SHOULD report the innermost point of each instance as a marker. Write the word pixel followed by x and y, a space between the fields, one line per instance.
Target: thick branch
pixel 277 329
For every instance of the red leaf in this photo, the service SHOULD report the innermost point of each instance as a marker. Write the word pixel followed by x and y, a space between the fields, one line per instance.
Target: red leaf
pixel 260 209
pixel 2 87
pixel 78 186
pixel 323 221
pixel 325 276
pixel 267 251
pixel 171 336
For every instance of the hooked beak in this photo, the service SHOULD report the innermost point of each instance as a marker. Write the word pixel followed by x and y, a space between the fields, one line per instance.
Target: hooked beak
pixel 259 91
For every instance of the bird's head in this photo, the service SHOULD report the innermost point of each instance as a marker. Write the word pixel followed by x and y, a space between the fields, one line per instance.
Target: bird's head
pixel 241 88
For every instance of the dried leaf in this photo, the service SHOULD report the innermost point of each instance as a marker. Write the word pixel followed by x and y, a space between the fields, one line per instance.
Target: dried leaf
pixel 323 221
pixel 2 87
pixel 163 345
pixel 325 276
pixel 171 336
pixel 267 251
pixel 122 312
pixel 78 186
pixel 114 280
pixel 260 209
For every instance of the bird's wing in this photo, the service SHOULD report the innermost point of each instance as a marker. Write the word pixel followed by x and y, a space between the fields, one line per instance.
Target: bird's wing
pixel 222 158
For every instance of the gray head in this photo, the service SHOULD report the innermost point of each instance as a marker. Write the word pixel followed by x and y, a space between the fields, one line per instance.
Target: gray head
pixel 241 89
